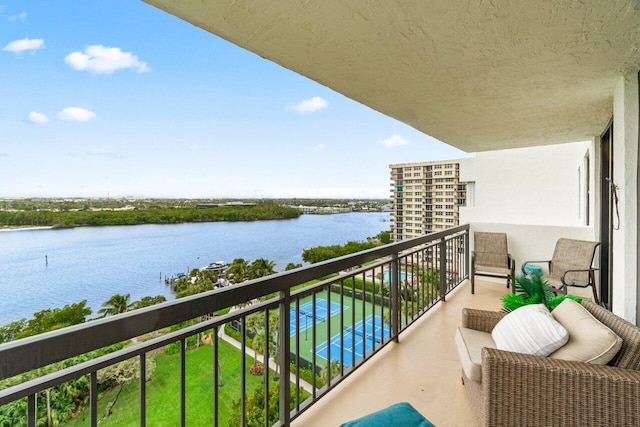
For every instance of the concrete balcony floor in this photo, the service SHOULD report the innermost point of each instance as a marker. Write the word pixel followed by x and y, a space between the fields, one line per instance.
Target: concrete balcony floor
pixel 422 369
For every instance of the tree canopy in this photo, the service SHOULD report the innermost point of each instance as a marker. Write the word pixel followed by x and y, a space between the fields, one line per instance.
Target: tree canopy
pixel 323 253
pixel 118 303
pixel 152 215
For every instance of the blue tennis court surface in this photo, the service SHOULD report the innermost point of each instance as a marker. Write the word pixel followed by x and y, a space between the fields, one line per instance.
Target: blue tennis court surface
pixel 357 340
pixel 305 315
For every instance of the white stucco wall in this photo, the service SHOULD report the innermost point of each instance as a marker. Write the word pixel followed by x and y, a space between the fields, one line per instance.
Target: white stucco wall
pixel 533 242
pixel 535 195
pixel 535 185
pixel 625 172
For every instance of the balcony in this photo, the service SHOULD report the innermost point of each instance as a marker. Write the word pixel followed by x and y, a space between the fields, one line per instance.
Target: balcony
pixel 352 310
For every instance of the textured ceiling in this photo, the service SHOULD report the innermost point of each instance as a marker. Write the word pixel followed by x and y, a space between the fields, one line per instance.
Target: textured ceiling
pixel 479 75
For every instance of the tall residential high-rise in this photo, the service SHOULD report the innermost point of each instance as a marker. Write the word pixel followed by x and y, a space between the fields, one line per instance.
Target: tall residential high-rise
pixel 425 197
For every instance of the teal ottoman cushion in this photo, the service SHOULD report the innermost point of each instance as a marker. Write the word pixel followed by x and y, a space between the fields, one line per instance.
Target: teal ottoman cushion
pixel 400 414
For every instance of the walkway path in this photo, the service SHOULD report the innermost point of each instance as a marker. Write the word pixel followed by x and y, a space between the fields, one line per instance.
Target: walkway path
pixel 272 365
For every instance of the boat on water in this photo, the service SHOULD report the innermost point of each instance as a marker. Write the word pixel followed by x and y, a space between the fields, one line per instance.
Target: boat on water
pixel 218 266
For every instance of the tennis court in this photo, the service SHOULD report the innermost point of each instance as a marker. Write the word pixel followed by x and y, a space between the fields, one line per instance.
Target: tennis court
pixel 358 340
pixel 305 315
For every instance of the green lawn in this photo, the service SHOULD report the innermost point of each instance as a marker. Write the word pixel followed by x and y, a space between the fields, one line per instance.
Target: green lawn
pixel 163 391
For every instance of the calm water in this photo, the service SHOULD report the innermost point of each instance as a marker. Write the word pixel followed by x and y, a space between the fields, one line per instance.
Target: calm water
pixel 94 263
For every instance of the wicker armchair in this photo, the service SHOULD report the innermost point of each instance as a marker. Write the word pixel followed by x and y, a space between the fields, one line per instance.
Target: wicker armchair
pixel 491 258
pixel 571 265
pixel 524 390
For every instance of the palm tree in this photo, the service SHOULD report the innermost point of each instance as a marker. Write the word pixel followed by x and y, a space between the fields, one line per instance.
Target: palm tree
pixel 117 304
pixel 238 270
pixel 292 266
pixel 148 301
pixel 332 367
pixel 261 268
pixel 259 343
pixel 255 323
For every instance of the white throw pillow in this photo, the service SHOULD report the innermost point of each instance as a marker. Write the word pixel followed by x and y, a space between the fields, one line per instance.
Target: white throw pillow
pixel 530 330
pixel 590 341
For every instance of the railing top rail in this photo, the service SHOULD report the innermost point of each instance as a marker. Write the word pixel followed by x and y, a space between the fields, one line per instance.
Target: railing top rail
pixel 58 377
pixel 41 350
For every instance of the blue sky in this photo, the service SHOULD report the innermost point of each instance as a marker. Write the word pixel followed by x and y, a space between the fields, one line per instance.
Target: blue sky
pixel 118 99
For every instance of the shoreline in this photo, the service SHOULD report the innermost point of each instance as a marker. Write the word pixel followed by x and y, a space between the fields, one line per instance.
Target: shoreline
pixel 27 228
pixel 6 228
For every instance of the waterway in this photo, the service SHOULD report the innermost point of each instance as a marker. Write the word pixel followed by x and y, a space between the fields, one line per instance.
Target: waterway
pixel 42 269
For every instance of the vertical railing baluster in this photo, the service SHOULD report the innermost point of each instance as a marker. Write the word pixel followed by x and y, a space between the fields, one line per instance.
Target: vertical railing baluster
pixel 285 358
pixel 364 316
pixel 328 384
pixel 422 276
pixel 143 389
pixel 463 260
pixel 32 410
pixel 415 284
pixel 341 326
pixel 93 397
pixel 353 321
pixel 297 313
pixel 458 240
pixel 243 370
pixel 374 296
pixel 466 254
pixel 415 296
pixel 183 382
pixel 454 261
pixel 381 287
pixel 216 374
pixel 395 310
pixel 432 290
pixel 443 268
pixel 265 364
pixel 314 365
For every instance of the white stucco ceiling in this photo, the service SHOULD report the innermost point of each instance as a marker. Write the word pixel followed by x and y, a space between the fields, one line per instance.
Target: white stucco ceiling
pixel 479 75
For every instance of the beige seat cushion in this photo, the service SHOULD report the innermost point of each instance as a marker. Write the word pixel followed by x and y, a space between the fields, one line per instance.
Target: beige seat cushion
pixel 590 341
pixel 469 344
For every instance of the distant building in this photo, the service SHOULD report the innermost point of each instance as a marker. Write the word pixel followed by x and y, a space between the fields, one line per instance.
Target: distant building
pixel 323 210
pixel 425 197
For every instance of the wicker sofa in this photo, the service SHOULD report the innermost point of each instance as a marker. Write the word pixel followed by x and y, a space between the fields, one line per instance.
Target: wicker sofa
pixel 524 390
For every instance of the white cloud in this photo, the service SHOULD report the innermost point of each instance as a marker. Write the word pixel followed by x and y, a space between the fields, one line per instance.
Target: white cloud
pixel 318 147
pixel 395 141
pixel 19 17
pixel 104 153
pixel 309 105
pixel 105 60
pixel 19 46
pixel 76 114
pixel 35 117
pixel 194 147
